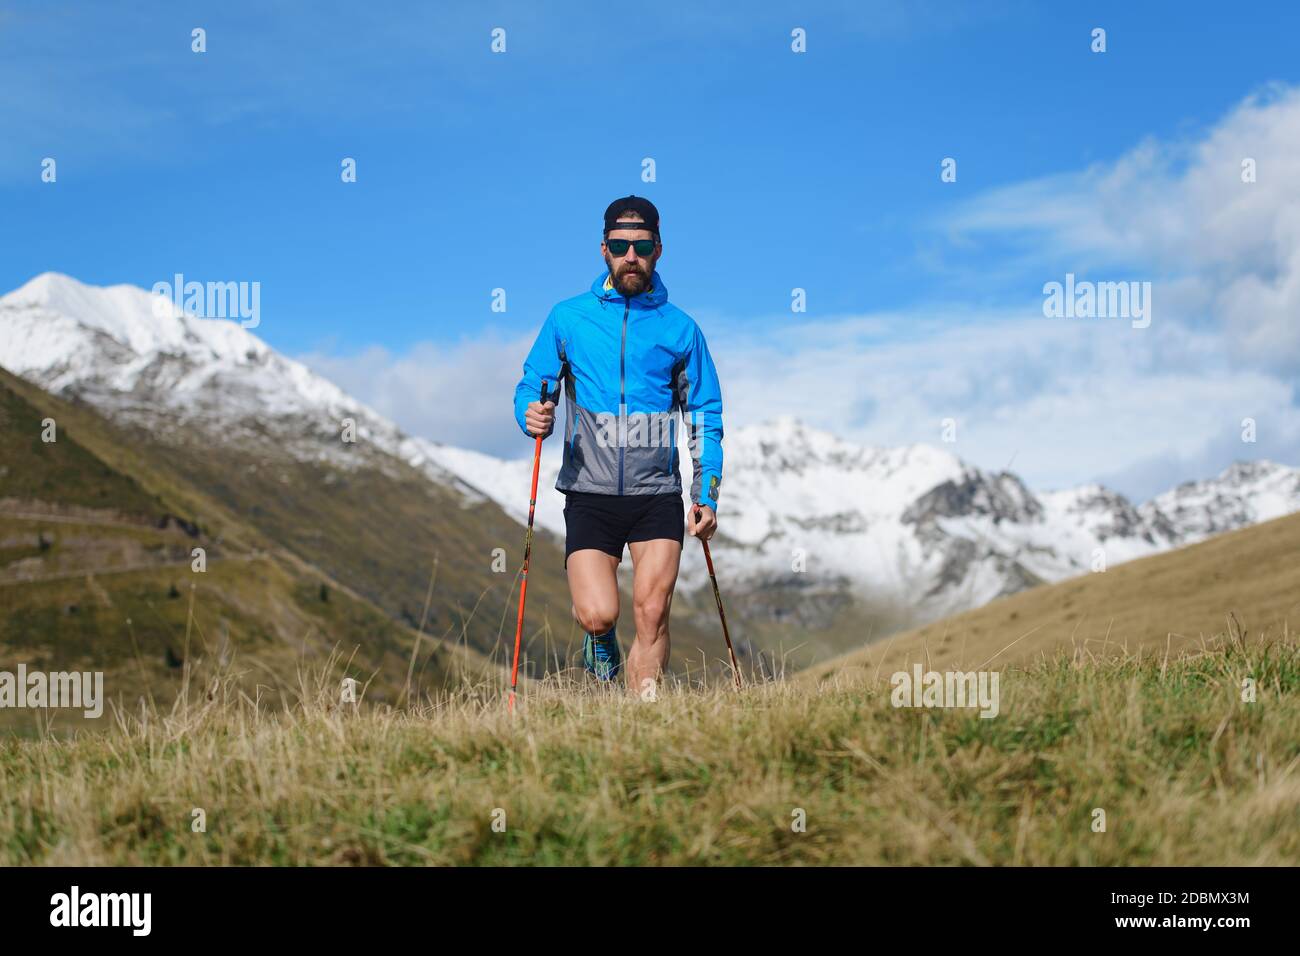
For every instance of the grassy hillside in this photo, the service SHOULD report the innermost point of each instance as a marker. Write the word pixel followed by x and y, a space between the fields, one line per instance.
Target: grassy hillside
pixel 381 531
pixel 131 479
pixel 96 538
pixel 150 630
pixel 1185 771
pixel 1167 603
pixel 62 470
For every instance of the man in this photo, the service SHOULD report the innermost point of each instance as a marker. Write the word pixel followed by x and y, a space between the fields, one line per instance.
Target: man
pixel 628 362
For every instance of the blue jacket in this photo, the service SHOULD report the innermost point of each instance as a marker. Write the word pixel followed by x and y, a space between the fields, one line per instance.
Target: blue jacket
pixel 628 366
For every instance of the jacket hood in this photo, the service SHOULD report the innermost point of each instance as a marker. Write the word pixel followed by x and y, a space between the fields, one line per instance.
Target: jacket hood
pixel 654 297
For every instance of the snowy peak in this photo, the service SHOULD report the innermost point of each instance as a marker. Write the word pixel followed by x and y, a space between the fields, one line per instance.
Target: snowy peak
pixel 61 293
pixel 129 349
pixel 140 359
pixel 787 444
pixel 1245 493
pixel 58 293
pixel 1106 514
pixel 829 475
pixel 140 322
pixel 1001 497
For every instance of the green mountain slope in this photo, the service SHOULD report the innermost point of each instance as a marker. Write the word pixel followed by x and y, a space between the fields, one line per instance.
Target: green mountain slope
pixel 98 539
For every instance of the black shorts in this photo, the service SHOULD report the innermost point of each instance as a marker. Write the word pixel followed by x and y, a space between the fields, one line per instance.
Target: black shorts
pixel 608 522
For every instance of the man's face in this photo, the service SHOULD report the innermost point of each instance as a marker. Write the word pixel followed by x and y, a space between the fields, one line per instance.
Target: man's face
pixel 630 273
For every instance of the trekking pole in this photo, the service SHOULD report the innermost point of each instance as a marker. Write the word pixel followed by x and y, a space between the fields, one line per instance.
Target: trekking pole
pixel 528 550
pixel 717 596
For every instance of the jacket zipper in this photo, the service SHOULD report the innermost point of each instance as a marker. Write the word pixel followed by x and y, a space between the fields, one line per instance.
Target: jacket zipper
pixel 622 396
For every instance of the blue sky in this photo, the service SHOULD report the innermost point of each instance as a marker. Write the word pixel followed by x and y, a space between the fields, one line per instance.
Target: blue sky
pixel 775 170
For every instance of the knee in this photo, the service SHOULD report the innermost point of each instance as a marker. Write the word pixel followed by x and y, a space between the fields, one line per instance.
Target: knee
pixel 595 618
pixel 651 610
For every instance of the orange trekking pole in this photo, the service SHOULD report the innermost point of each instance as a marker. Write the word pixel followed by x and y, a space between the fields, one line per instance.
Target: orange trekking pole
pixel 528 550
pixel 717 596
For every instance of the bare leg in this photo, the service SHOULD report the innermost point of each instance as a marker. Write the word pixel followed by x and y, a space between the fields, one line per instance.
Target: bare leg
pixel 654 566
pixel 593 586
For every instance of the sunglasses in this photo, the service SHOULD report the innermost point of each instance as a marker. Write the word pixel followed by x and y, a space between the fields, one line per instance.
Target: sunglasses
pixel 618 247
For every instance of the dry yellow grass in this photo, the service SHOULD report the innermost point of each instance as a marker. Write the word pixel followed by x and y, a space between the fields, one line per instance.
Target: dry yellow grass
pixel 1120 692
pixel 1185 770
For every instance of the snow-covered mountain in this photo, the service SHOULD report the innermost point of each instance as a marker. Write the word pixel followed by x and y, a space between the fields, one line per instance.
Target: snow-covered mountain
pixel 915 528
pixel 1246 493
pixel 137 358
pixel 912 528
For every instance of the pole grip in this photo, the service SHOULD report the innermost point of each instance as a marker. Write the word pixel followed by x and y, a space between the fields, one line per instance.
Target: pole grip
pixel 545 399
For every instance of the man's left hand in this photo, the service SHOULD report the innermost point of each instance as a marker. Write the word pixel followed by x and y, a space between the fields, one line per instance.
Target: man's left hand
pixel 705 526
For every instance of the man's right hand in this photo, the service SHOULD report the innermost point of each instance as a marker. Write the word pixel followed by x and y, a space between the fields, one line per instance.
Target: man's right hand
pixel 540 418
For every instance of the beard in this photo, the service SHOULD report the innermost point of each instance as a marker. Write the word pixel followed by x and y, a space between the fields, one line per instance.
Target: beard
pixel 630 279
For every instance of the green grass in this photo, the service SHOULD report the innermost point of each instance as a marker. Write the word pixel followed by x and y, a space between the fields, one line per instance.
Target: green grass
pixel 1186 772
pixel 62 470
pixel 256 621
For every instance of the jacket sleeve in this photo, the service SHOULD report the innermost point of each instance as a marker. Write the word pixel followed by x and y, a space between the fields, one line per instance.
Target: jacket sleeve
pixel 702 411
pixel 543 362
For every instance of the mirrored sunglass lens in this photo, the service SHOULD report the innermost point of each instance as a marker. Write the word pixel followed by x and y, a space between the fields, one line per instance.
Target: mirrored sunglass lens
pixel 618 247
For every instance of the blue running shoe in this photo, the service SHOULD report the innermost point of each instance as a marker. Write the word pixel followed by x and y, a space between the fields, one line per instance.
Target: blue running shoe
pixel 601 656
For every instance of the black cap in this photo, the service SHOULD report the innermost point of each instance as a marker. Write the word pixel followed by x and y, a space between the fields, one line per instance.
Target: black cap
pixel 644 207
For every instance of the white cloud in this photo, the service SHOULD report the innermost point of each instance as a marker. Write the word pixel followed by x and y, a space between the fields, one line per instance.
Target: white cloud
pixel 1181 213
pixel 460 394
